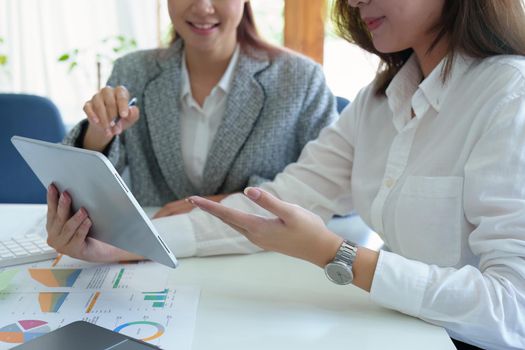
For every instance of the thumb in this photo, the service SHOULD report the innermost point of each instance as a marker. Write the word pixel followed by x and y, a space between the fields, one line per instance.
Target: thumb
pixel 269 202
pixel 133 116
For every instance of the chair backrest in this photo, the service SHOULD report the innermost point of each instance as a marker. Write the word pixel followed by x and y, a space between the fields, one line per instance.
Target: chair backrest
pixel 341 103
pixel 29 116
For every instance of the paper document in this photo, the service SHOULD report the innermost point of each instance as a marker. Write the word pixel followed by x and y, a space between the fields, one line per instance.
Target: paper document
pixel 164 318
pixel 5 278
pixel 70 274
pixel 38 299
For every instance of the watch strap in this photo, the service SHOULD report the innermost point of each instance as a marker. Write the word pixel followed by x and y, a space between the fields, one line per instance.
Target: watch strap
pixel 346 253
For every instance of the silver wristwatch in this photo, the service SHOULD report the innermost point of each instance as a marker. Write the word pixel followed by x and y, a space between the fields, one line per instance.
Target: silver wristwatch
pixel 339 270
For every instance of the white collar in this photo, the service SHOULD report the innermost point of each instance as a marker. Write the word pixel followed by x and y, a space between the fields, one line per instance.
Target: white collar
pixel 407 81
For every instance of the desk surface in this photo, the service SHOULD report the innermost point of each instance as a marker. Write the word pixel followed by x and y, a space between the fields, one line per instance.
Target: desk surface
pixel 270 301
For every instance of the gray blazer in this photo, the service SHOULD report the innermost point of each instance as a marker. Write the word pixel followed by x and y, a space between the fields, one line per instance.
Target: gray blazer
pixel 274 108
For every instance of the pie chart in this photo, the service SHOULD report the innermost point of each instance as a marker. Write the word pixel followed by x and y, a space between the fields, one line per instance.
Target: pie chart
pixel 22 331
pixel 143 330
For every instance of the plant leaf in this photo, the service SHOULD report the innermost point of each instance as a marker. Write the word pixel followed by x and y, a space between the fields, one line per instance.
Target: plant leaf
pixel 72 66
pixel 64 57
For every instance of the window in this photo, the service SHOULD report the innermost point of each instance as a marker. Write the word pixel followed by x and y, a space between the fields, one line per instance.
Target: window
pixel 35 33
pixel 269 18
pixel 347 67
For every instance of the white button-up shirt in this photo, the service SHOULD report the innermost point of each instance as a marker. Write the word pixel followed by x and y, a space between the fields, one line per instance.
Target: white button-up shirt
pixel 444 187
pixel 200 124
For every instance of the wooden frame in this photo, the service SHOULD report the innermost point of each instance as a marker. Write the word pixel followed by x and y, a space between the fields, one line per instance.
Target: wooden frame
pixel 304 22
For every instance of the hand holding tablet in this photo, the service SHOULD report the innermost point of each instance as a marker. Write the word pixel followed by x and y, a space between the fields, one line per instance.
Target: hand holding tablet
pixel 92 183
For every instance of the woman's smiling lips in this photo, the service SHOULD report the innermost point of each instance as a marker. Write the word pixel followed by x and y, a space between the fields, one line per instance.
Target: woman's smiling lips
pixel 203 28
pixel 373 22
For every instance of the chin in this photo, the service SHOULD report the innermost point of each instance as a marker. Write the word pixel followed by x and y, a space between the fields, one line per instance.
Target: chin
pixel 201 47
pixel 386 48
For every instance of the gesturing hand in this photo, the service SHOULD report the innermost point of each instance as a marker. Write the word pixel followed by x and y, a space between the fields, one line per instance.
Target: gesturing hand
pixel 295 231
pixel 183 206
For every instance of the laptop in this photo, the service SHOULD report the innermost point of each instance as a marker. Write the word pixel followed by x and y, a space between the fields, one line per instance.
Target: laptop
pixel 82 335
pixel 93 183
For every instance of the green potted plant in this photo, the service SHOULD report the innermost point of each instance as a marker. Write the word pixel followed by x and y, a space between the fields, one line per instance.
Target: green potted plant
pixel 105 53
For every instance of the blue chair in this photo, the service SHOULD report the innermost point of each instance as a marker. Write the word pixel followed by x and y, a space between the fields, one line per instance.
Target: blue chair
pixel 29 116
pixel 341 103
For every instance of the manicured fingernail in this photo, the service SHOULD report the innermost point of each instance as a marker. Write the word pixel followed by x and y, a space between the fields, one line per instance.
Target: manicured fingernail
pixel 124 113
pixel 252 193
pixel 189 200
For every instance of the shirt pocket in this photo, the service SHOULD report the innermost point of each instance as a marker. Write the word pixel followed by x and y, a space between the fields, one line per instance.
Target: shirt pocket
pixel 428 219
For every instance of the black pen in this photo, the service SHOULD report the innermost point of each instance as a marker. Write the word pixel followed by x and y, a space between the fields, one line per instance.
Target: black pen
pixel 131 102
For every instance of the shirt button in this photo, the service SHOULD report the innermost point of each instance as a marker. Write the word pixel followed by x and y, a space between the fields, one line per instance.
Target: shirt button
pixel 389 182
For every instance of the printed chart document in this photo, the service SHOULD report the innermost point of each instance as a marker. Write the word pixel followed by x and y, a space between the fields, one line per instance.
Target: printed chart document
pixel 40 298
pixel 66 274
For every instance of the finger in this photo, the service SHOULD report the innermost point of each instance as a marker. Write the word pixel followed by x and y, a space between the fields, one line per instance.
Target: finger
pixel 70 227
pixel 110 101
pixel 174 208
pixel 125 123
pixel 52 203
pixel 122 95
pixel 230 216
pixel 81 233
pixel 280 208
pixel 117 128
pixel 161 213
pixel 134 114
pixel 165 210
pixel 252 237
pixel 240 230
pixel 63 211
pixel 90 113
pixel 99 108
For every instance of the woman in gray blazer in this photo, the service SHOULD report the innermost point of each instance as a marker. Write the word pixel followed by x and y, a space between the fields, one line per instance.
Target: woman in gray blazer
pixel 266 103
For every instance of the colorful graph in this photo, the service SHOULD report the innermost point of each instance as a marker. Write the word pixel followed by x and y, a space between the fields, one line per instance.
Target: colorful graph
pixel 158 298
pixel 139 328
pixel 55 277
pixel 23 331
pixel 93 301
pixel 51 302
pixel 119 277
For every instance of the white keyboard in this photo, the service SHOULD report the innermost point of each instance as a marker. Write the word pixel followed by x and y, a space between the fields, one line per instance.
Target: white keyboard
pixel 26 248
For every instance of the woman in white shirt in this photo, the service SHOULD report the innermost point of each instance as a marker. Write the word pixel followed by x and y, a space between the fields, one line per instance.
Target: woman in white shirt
pixel 431 155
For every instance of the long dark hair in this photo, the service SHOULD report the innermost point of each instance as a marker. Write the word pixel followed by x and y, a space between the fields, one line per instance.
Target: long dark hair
pixel 248 37
pixel 479 28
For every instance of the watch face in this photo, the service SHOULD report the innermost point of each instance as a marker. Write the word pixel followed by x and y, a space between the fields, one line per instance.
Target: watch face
pixel 339 273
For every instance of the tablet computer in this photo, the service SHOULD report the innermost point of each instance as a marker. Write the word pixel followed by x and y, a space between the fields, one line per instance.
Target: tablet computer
pixel 93 183
pixel 82 335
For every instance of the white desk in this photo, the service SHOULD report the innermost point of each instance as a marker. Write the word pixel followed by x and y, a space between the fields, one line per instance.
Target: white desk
pixel 269 301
